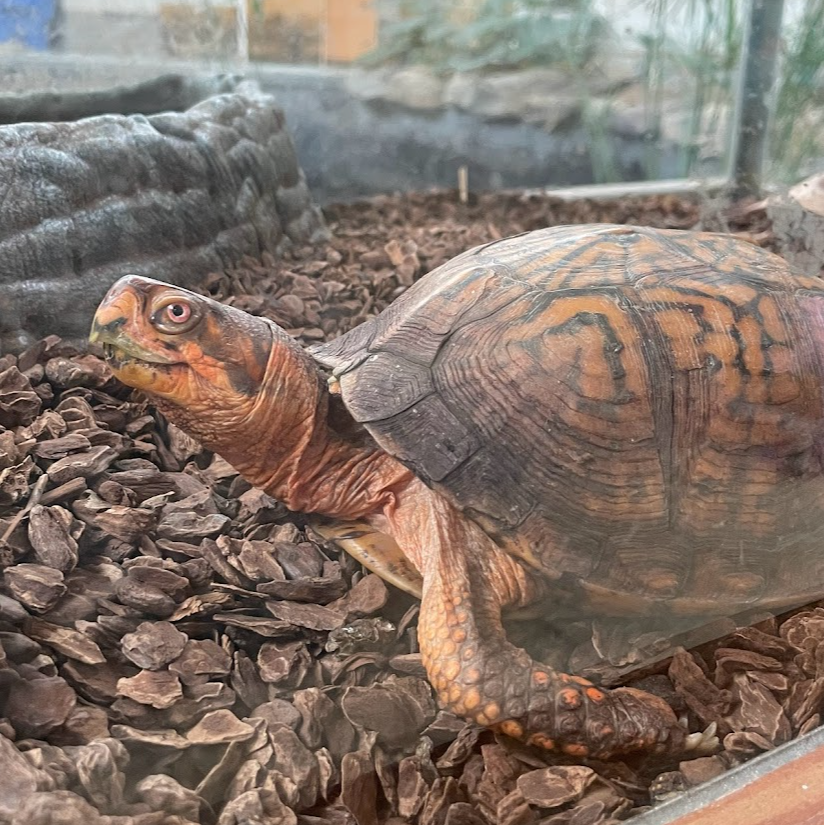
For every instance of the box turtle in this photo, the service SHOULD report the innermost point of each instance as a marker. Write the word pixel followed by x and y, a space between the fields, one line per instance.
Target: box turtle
pixel 632 414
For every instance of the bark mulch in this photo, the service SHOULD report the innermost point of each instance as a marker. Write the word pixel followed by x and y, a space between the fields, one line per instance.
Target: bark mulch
pixel 176 647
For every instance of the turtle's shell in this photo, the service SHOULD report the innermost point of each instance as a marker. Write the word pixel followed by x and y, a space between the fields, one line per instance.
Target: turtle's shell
pixel 635 410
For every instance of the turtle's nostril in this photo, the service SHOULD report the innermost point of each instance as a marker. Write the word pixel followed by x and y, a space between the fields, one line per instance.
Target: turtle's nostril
pixel 103 332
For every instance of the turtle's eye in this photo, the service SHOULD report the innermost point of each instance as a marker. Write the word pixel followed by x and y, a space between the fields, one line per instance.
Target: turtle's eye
pixel 174 316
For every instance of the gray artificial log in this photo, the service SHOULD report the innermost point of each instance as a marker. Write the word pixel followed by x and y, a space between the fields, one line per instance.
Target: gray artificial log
pixel 171 196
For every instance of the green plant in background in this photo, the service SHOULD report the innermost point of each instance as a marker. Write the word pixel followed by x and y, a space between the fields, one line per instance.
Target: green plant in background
pixel 411 36
pixel 706 60
pixel 703 66
pixel 796 137
pixel 493 35
pixel 689 70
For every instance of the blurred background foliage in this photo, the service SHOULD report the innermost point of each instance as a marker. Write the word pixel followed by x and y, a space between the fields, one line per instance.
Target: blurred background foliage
pixel 690 49
pixel 491 35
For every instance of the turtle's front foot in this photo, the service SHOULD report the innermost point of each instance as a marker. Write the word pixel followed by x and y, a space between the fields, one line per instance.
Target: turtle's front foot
pixel 555 711
pixel 571 715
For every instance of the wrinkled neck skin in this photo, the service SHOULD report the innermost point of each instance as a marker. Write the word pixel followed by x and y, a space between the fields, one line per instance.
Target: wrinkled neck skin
pixel 280 440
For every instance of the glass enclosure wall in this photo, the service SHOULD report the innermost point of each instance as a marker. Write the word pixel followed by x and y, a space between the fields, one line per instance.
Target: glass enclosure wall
pixel 520 92
pixel 617 428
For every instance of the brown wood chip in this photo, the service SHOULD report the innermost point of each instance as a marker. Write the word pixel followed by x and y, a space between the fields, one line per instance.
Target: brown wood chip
pixel 398 709
pixel 219 727
pixel 277 662
pixel 35 586
pixel 163 739
pixel 153 645
pixel 270 628
pixel 278 713
pixel 145 598
pixel 730 660
pixel 359 787
pixel 706 700
pixel 87 464
pixel 37 705
pixel 160 689
pixel 61 447
pixel 53 533
pixel 698 771
pixel 19 403
pixel 756 710
pixel 368 596
pixel 555 786
pixel 70 643
pixel 200 658
pixel 312 590
pixel 312 616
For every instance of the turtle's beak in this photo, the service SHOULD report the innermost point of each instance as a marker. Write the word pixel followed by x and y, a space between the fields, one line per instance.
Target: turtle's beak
pixel 117 346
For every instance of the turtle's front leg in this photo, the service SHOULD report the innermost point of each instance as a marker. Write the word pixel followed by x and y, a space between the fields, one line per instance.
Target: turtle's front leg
pixel 479 675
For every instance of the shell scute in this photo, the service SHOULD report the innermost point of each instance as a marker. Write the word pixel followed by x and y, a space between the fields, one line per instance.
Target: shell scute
pixel 450 441
pixel 389 384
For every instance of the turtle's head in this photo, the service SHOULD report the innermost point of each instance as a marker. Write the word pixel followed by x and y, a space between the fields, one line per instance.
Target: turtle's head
pixel 202 362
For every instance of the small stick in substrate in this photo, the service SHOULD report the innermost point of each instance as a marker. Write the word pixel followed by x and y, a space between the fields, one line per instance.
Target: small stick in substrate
pixel 463 184
pixel 34 498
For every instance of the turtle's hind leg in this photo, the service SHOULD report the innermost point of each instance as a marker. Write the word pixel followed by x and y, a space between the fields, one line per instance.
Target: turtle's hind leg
pixel 479 675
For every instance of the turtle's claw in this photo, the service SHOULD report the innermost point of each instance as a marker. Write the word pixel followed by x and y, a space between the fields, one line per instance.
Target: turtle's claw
pixel 702 743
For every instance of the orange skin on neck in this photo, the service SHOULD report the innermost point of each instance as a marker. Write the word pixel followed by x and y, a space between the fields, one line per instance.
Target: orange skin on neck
pixel 299 459
pixel 246 390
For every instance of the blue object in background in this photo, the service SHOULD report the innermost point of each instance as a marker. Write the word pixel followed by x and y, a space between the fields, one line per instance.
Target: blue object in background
pixel 28 22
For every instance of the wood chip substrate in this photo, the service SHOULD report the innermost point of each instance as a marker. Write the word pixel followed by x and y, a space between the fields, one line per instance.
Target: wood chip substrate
pixel 176 648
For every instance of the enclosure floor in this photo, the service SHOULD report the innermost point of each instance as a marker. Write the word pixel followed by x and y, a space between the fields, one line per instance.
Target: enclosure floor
pixel 178 648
